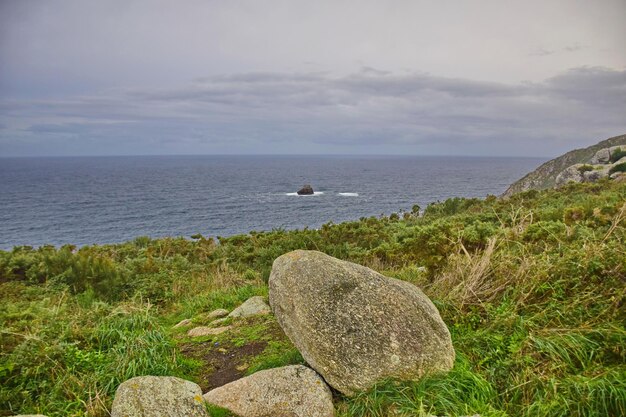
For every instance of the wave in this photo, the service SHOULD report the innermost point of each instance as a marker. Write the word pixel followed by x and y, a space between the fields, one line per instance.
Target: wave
pixel 349 194
pixel 306 195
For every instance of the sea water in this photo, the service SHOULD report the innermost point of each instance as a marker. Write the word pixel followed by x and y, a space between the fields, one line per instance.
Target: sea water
pixel 89 200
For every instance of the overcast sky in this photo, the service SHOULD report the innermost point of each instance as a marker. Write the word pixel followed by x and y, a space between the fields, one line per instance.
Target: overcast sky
pixel 482 77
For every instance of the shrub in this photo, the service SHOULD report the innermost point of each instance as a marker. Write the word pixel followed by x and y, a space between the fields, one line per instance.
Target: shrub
pixel 617 154
pixel 618 168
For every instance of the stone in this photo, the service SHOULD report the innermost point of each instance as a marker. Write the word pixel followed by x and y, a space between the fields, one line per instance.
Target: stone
pixel 290 391
pixel 570 174
pixel 306 190
pixel 601 171
pixel 216 314
pixel 182 323
pixel 251 307
pixel 207 331
pixel 162 396
pixel 219 321
pixel 601 157
pixel 354 326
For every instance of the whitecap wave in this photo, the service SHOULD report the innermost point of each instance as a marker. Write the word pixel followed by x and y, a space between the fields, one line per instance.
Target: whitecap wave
pixel 349 194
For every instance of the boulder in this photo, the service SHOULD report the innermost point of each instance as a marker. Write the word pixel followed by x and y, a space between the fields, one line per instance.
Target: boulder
pixel 355 326
pixel 306 190
pixel 162 396
pixel 601 157
pixel 207 331
pixel 599 171
pixel 290 391
pixel 251 307
pixel 216 314
pixel 570 174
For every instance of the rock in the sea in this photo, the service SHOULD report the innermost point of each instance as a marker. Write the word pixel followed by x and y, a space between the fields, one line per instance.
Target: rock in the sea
pixel 306 190
pixel 216 314
pixel 251 307
pixel 162 396
pixel 207 331
pixel 290 391
pixel 355 326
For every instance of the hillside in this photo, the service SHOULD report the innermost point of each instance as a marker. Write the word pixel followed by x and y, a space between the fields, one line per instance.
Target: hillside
pixel 545 176
pixel 532 289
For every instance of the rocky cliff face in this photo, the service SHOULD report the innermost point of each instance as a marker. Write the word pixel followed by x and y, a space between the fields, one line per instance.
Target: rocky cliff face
pixel 546 175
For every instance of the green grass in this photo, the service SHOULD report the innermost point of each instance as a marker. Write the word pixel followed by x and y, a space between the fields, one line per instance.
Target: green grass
pixel 532 289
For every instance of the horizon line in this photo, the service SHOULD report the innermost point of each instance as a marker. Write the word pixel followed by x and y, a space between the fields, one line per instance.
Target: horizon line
pixel 274 155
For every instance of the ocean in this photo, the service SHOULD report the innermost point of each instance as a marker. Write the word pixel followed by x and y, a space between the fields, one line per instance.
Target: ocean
pixel 94 200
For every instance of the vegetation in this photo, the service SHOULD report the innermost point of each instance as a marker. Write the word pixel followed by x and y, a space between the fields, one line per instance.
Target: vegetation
pixel 618 168
pixel 585 168
pixel 532 289
pixel 617 154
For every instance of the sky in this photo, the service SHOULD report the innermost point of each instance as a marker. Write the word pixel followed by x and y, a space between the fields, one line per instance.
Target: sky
pixel 141 77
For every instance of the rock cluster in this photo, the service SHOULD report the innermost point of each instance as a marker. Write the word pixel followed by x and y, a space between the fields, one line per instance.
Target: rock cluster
pixel 353 326
pixel 600 166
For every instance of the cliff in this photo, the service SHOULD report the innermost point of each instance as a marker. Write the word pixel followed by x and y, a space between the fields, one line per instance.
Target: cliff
pixel 545 176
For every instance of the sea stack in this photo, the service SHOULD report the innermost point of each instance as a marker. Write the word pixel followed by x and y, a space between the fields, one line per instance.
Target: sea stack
pixel 306 190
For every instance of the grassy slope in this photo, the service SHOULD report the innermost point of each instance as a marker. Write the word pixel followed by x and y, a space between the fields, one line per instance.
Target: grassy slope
pixel 532 289
pixel 545 176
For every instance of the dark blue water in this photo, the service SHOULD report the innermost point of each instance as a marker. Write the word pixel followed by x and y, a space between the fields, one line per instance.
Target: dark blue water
pixel 86 200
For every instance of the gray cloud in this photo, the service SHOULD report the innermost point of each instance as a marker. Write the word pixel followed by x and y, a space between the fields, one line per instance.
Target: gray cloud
pixel 364 112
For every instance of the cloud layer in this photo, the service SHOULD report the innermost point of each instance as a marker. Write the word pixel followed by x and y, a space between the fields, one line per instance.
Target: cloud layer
pixel 369 111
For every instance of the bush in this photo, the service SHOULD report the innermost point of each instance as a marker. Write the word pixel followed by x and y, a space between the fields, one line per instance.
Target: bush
pixel 618 168
pixel 617 154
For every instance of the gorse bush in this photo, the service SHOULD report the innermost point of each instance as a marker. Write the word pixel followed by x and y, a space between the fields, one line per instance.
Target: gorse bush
pixel 617 154
pixel 532 288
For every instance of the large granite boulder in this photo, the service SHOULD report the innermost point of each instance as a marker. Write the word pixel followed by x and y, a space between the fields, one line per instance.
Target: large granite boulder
pixel 158 396
pixel 306 190
pixel 355 326
pixel 290 391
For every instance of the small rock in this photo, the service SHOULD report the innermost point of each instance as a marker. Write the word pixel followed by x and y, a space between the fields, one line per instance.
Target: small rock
pixel 306 190
pixel 218 321
pixel 163 396
pixel 251 307
pixel 216 314
pixel 183 323
pixel 290 391
pixel 207 331
pixel 30 415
